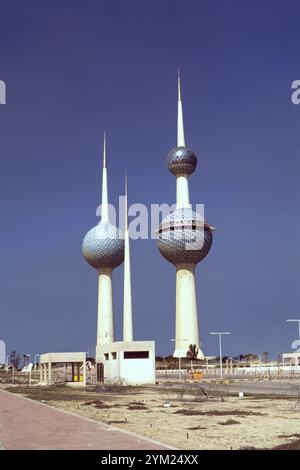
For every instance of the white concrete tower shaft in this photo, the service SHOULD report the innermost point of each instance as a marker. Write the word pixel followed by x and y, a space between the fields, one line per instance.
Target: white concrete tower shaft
pixel 105 321
pixel 187 327
pixel 182 184
pixel 127 301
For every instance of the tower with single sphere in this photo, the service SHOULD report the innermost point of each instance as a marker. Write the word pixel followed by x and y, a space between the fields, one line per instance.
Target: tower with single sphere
pixel 184 239
pixel 103 249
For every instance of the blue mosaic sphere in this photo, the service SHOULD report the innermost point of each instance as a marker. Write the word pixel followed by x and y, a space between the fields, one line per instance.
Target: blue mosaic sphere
pixel 103 246
pixel 181 161
pixel 184 237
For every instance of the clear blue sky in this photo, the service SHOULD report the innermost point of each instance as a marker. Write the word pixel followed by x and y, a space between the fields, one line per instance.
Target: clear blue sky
pixel 73 68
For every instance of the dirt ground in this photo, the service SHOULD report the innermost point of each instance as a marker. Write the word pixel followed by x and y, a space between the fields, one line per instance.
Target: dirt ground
pixel 185 417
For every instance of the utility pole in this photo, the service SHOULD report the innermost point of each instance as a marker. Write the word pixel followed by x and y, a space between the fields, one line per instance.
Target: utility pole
pixel 179 358
pixel 220 333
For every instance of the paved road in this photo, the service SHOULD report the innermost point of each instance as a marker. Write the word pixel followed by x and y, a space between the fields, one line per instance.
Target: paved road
pixel 28 425
pixel 261 387
pixel 283 388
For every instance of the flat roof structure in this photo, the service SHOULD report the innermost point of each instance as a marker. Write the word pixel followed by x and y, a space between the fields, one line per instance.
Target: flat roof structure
pixel 71 365
pixel 293 357
pixel 128 362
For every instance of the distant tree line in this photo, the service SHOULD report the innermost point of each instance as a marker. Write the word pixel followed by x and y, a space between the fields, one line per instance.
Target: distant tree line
pixel 192 355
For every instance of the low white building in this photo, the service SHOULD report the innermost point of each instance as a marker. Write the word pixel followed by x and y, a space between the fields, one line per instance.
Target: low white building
pixel 70 365
pixel 291 358
pixel 131 363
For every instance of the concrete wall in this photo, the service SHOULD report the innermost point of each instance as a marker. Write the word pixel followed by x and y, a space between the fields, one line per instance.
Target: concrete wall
pixel 138 370
pixel 130 371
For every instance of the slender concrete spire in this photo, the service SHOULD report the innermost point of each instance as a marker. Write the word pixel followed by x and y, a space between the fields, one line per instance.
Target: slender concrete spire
pixel 127 302
pixel 180 128
pixel 126 204
pixel 104 206
pixel 182 185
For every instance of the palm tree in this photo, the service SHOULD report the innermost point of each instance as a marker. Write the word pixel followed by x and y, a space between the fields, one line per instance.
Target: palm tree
pixel 14 358
pixel 266 354
pixel 192 354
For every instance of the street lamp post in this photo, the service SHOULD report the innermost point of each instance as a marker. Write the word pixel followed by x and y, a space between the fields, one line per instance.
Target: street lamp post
pixel 220 333
pixel 179 359
pixel 7 362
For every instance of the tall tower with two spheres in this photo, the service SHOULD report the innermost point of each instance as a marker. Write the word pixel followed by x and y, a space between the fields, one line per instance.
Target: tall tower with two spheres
pixel 184 239
pixel 103 249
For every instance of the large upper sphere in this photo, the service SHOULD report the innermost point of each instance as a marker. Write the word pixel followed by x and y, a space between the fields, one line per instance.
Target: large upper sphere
pixel 184 238
pixel 181 161
pixel 103 246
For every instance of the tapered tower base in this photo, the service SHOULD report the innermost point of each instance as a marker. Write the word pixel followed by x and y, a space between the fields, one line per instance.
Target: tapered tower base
pixel 187 330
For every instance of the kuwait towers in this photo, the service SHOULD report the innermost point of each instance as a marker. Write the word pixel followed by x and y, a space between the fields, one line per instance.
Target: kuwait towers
pixel 184 239
pixel 103 249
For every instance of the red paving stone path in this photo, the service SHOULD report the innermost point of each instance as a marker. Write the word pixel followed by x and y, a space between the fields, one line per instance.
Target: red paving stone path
pixel 29 425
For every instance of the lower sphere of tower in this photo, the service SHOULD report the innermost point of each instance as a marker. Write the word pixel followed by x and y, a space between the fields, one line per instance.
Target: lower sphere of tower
pixel 103 246
pixel 184 238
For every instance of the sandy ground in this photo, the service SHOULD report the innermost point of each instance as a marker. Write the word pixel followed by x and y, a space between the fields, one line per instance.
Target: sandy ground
pixel 186 421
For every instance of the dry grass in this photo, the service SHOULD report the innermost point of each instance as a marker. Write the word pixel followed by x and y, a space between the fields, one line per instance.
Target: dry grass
pixel 240 413
pixel 97 404
pixel 137 407
pixel 195 428
pixel 294 445
pixel 229 422
pixel 265 423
